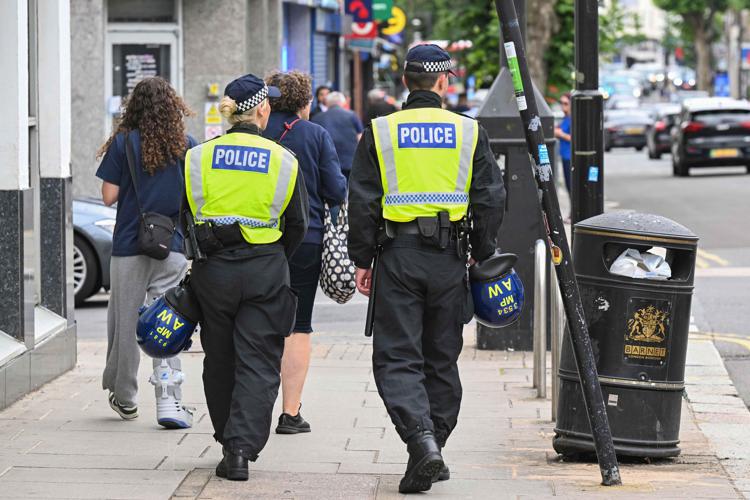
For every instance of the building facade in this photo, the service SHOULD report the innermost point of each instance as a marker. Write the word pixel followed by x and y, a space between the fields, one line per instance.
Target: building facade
pixel 37 326
pixel 199 46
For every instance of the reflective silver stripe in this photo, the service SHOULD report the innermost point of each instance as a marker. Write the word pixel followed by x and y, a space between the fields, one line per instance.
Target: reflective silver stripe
pixel 467 154
pixel 245 221
pixel 423 198
pixel 386 152
pixel 196 179
pixel 282 185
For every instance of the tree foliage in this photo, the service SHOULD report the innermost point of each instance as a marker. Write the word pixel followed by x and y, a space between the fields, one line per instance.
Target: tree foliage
pixel 698 17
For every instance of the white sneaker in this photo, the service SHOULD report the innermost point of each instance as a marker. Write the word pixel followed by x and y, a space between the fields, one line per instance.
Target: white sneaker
pixel 170 412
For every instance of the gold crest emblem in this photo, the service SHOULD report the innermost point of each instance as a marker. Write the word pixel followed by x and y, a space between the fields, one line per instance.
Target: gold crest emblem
pixel 647 325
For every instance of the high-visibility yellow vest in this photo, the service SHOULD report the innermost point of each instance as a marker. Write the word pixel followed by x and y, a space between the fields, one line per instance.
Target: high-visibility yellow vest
pixel 242 178
pixel 426 158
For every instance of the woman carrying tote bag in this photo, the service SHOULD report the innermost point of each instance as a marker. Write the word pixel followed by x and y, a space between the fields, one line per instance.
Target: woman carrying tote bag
pixel 141 170
pixel 319 166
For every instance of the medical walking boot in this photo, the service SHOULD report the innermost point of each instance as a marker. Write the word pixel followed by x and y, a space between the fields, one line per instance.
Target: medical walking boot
pixel 425 463
pixel 232 467
pixel 170 412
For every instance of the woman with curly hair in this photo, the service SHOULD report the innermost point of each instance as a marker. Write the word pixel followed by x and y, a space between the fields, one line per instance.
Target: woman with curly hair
pixel 321 170
pixel 152 124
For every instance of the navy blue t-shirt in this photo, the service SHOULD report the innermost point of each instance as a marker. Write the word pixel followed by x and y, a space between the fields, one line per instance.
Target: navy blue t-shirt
pixel 319 163
pixel 344 127
pixel 161 193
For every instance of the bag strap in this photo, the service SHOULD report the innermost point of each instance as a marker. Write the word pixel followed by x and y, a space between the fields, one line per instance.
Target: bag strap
pixel 288 127
pixel 130 153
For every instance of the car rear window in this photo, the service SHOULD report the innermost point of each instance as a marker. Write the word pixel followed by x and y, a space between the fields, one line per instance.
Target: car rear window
pixel 722 116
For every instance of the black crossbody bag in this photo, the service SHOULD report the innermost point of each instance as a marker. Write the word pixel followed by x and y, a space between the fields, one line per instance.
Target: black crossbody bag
pixel 155 231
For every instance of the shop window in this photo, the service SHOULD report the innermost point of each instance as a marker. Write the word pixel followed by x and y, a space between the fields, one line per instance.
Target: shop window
pixel 142 11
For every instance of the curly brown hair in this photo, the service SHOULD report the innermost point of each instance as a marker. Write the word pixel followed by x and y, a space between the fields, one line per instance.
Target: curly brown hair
pixel 157 112
pixel 296 90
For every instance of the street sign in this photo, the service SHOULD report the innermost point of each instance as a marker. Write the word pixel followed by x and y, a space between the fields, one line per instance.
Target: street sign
pixel 381 9
pixel 396 23
pixel 363 31
pixel 361 10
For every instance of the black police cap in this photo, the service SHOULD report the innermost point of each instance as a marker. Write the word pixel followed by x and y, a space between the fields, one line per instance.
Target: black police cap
pixel 248 91
pixel 428 58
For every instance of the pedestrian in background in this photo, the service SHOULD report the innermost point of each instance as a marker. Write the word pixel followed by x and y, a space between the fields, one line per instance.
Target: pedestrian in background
pixel 344 127
pixel 321 170
pixel 250 208
pixel 377 105
pixel 463 104
pixel 562 133
pixel 152 125
pixel 320 100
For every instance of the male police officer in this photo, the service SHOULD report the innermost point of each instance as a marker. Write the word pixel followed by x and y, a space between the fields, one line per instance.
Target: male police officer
pixel 415 174
pixel 249 203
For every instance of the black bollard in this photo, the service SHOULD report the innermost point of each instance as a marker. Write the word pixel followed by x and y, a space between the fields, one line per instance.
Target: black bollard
pixel 584 355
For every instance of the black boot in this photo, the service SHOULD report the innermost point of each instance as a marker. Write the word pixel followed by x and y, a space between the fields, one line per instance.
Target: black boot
pixel 232 467
pixel 445 472
pixel 425 462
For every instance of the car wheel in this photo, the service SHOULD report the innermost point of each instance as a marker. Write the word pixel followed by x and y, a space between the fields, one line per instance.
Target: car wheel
pixel 679 169
pixel 85 270
pixel 639 148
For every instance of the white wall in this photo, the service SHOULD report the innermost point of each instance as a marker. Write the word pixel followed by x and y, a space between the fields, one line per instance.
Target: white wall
pixel 14 102
pixel 54 88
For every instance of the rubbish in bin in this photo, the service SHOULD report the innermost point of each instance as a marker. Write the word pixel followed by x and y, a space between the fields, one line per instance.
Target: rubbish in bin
pixel 635 264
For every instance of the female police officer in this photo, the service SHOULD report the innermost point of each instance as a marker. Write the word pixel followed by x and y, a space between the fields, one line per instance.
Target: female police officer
pixel 250 208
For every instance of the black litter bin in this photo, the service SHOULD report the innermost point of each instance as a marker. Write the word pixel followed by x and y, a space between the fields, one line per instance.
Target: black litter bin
pixel 639 333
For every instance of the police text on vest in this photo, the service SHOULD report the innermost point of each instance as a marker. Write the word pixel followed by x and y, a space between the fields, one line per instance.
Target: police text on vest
pixel 426 135
pixel 245 158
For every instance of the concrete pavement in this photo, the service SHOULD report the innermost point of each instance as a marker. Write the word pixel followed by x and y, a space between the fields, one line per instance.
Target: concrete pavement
pixel 65 442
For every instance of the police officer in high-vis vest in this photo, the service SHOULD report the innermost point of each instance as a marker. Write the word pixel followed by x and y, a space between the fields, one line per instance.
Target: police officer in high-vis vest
pixel 249 204
pixel 424 184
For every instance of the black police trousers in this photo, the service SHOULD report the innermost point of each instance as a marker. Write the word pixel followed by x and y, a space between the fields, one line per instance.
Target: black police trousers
pixel 421 306
pixel 248 310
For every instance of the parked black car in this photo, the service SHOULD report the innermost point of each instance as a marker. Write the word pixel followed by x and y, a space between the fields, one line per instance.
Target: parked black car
pixel 93 226
pixel 625 128
pixel 658 138
pixel 711 132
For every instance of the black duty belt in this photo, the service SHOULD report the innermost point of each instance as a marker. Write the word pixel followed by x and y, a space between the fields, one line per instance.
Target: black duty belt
pixel 438 232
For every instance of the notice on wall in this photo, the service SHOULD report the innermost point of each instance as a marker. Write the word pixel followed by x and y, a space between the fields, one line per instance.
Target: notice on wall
pixel 212 115
pixel 132 63
pixel 212 131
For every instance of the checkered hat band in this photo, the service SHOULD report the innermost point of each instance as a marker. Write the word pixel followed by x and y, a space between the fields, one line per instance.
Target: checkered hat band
pixel 430 66
pixel 253 101
pixel 425 198
pixel 226 221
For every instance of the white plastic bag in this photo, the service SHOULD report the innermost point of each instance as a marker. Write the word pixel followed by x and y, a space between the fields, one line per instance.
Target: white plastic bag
pixel 634 264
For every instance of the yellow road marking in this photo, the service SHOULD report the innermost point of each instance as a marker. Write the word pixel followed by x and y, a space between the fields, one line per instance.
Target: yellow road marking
pixel 712 257
pixel 701 263
pixel 723 337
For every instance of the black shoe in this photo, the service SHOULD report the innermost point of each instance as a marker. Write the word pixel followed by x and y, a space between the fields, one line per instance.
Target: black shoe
pixel 425 462
pixel 125 412
pixel 232 467
pixel 292 424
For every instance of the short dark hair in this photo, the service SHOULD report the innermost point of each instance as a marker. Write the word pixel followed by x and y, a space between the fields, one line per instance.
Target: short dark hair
pixel 319 89
pixel 420 81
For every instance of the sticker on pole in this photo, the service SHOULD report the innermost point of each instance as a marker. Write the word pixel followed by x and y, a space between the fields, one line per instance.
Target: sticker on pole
pixel 593 174
pixel 515 73
pixel 543 155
